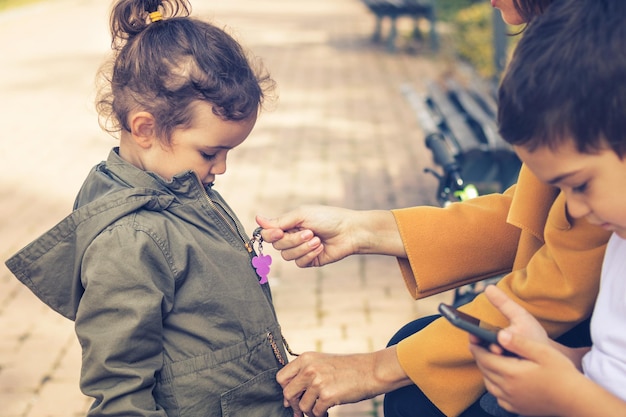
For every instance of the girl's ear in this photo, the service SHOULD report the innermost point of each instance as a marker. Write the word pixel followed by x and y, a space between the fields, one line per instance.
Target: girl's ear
pixel 143 129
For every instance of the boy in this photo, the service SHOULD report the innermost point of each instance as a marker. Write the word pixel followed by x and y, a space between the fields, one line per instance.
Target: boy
pixel 562 105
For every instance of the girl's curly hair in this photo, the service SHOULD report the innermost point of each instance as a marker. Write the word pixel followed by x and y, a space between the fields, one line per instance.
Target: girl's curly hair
pixel 162 67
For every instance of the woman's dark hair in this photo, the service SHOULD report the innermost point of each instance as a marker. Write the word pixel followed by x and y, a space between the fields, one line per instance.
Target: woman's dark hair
pixel 163 65
pixel 529 9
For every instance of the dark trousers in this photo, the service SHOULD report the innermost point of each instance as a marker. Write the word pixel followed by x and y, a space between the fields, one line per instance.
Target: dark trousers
pixel 410 401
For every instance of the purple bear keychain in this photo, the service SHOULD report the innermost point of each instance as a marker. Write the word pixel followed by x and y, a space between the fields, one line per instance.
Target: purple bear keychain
pixel 260 262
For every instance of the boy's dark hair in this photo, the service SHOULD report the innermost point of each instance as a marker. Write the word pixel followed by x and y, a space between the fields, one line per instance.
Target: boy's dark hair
pixel 567 79
pixel 163 65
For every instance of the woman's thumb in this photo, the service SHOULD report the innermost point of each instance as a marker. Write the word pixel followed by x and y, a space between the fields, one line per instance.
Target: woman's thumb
pixel 266 223
pixel 286 222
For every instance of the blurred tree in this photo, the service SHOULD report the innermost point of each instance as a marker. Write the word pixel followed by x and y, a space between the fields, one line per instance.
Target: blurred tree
pixel 6 4
pixel 447 9
pixel 475 40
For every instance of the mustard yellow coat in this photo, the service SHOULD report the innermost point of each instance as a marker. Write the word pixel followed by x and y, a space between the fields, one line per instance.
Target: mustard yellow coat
pixel 554 264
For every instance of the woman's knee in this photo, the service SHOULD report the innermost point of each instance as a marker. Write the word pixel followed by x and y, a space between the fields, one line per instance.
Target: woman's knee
pixel 411 328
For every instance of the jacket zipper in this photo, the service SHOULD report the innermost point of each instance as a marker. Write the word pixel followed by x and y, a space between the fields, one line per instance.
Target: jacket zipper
pixel 232 224
pixel 274 345
pixel 235 229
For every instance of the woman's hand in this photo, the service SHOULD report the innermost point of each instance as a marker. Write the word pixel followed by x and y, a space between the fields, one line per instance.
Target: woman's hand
pixel 315 382
pixel 319 235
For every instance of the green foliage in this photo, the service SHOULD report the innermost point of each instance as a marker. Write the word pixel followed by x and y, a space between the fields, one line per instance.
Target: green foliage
pixel 473 37
pixel 447 9
pixel 10 4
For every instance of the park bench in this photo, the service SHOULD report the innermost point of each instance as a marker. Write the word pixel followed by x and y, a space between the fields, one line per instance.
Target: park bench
pixel 460 129
pixel 394 9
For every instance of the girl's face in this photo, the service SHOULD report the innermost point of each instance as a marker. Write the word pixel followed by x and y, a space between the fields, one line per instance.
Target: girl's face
pixel 201 148
pixel 508 10
pixel 593 183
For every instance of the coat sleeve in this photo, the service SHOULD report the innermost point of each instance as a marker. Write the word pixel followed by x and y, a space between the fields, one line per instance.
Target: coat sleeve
pixel 558 284
pixel 456 245
pixel 128 290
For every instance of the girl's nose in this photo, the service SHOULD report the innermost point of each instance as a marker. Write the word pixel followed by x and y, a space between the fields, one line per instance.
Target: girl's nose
pixel 219 167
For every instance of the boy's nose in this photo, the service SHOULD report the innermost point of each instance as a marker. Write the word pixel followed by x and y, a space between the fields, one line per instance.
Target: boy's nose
pixel 577 208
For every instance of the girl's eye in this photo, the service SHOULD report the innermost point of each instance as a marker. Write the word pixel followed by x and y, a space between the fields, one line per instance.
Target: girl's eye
pixel 208 157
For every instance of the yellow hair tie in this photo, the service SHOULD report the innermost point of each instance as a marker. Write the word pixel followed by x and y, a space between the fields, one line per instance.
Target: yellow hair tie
pixel 156 16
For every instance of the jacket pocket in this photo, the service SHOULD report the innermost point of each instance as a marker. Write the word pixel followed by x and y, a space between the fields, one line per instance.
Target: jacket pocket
pixel 260 396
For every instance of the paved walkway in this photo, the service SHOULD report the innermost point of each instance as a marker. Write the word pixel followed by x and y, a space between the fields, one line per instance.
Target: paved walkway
pixel 340 134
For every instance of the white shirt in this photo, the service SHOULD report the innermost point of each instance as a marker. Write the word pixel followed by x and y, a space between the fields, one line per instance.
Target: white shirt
pixel 605 363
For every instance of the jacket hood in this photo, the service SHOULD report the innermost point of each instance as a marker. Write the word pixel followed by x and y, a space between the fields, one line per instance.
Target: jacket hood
pixel 50 266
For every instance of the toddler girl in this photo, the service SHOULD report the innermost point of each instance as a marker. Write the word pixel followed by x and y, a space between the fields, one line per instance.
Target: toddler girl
pixel 153 265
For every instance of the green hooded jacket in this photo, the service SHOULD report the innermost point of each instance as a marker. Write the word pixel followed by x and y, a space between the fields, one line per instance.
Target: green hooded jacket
pixel 169 312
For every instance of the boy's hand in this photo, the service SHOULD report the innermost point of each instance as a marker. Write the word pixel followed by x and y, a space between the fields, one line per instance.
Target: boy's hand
pixel 521 321
pixel 534 384
pixel 531 384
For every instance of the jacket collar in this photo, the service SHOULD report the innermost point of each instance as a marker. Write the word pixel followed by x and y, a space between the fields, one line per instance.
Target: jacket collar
pixel 116 173
pixel 531 196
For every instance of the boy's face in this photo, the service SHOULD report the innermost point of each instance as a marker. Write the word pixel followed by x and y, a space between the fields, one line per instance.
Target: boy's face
pixel 594 184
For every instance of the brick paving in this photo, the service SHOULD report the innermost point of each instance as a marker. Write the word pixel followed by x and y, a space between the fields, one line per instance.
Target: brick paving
pixel 340 134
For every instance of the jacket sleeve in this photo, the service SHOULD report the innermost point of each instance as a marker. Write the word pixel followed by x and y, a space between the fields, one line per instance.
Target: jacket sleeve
pixel 128 290
pixel 558 284
pixel 456 245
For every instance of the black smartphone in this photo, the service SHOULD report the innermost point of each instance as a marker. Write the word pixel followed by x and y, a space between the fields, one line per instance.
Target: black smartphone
pixel 488 333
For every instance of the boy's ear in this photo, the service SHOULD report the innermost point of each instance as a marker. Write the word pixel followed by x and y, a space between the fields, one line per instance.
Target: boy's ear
pixel 143 128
